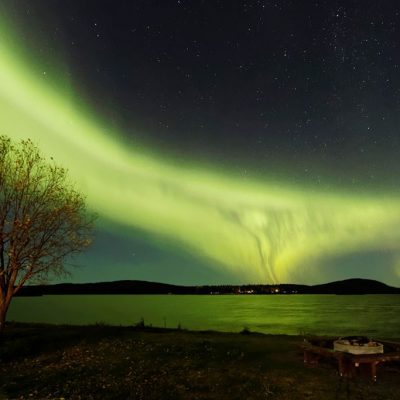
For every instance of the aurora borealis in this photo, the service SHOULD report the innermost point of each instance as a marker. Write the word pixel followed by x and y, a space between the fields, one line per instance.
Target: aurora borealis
pixel 266 223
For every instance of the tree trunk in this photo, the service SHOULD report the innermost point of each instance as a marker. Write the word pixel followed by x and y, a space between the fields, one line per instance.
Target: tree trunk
pixel 3 314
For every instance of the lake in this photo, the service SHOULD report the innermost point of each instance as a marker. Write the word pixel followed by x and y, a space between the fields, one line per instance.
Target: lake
pixel 370 315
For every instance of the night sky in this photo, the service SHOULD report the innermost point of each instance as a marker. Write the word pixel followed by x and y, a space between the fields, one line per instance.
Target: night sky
pixel 219 141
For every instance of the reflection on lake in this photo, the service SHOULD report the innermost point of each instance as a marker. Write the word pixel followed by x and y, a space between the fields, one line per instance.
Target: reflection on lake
pixel 370 315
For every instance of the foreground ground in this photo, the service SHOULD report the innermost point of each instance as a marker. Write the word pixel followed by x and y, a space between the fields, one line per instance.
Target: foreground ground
pixel 103 362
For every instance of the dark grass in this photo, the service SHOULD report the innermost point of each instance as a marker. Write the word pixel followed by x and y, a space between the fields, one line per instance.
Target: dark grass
pixel 110 362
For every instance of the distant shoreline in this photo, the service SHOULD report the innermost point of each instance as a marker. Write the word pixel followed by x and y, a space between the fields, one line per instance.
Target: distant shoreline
pixel 356 286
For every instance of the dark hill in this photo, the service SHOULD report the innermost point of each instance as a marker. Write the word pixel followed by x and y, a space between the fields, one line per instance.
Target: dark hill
pixel 116 287
pixel 354 286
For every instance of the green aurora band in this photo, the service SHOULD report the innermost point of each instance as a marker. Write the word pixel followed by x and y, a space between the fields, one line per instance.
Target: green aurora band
pixel 259 231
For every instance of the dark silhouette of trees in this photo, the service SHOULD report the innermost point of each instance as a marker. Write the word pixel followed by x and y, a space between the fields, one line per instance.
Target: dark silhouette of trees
pixel 43 219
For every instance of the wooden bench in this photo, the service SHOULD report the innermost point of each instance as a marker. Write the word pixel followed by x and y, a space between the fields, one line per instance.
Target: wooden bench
pixel 314 349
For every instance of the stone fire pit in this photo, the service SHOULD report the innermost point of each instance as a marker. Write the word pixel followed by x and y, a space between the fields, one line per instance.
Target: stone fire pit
pixel 357 345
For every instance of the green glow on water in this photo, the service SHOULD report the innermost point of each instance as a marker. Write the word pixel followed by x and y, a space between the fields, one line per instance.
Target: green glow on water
pixel 275 314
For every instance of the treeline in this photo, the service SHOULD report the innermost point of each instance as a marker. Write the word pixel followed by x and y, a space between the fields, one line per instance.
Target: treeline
pixel 349 286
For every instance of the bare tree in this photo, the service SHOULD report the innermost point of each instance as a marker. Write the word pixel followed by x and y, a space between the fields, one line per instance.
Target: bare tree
pixel 43 219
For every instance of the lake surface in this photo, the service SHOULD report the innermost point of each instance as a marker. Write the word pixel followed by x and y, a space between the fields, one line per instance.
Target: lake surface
pixel 370 315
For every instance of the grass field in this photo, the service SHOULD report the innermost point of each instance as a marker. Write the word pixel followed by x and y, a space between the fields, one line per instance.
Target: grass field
pixel 106 362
